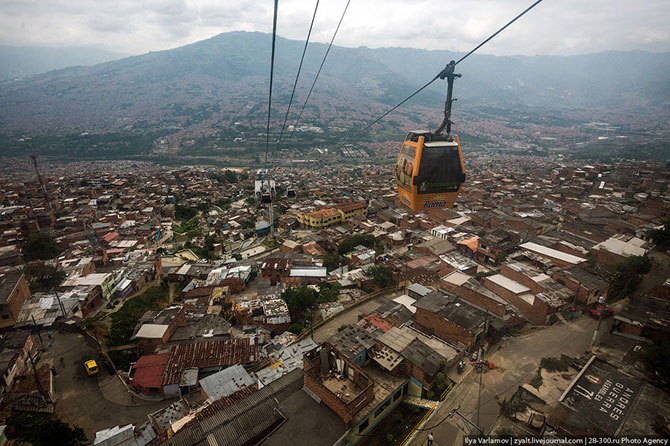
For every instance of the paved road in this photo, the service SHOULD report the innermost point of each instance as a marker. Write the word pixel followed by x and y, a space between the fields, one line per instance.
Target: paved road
pixel 516 360
pixel 79 399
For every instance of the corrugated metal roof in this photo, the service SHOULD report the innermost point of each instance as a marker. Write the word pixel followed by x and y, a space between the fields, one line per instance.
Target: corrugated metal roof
pixel 309 272
pixel 236 424
pixel 287 359
pixel 544 251
pixel 509 284
pixel 226 382
pixel 202 355
pixel 419 289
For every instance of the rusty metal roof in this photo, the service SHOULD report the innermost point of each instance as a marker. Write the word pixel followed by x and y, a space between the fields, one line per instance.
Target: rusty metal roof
pixel 202 355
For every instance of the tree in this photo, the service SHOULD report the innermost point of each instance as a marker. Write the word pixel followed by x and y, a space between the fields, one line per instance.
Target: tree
pixel 628 276
pixel 299 300
pixel 296 328
pixel 204 206
pixel 661 237
pixel 328 292
pixel 43 277
pixel 182 212
pixel 41 429
pixel 40 246
pixel 656 359
pixel 331 261
pixel 381 275
pixel 349 243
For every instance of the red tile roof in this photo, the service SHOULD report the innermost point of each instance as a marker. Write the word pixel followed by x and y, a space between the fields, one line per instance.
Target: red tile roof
pixel 376 320
pixel 351 206
pixel 421 262
pixel 324 213
pixel 148 371
pixel 111 236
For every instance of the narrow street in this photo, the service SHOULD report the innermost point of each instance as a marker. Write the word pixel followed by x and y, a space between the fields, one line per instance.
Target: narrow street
pixel 90 402
pixel 516 360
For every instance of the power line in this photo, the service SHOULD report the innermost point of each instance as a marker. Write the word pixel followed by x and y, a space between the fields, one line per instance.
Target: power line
pixel 449 415
pixel 499 31
pixel 396 107
pixel 320 67
pixel 295 84
pixel 272 69
pixel 439 75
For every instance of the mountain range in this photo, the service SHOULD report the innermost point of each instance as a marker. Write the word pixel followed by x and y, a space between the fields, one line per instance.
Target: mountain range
pixel 25 61
pixel 208 87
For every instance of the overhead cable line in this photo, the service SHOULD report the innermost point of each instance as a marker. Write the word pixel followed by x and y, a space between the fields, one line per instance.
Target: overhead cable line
pixel 272 69
pixel 440 74
pixel 295 126
pixel 295 84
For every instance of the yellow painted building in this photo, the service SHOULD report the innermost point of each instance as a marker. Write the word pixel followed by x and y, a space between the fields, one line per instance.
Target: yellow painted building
pixel 330 216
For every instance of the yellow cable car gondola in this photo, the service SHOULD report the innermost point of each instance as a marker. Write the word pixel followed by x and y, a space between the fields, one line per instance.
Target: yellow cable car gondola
pixel 430 171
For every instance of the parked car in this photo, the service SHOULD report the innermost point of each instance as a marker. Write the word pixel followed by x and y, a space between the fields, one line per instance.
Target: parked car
pixel 91 367
pixel 599 310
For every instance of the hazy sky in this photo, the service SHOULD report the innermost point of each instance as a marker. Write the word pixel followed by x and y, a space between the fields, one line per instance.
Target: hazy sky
pixel 558 27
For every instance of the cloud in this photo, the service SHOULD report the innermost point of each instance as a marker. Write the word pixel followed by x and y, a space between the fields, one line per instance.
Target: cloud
pixel 137 26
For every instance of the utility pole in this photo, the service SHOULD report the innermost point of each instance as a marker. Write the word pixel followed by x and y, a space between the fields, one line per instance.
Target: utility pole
pixel 37 379
pixel 311 323
pixel 37 330
pixel 272 220
pixel 60 304
pixel 479 394
pixel 42 182
pixel 604 307
pixel 472 425
pixel 409 248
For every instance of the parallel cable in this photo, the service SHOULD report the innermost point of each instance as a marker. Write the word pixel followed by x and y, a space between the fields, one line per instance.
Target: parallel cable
pixel 272 68
pixel 295 84
pixel 295 126
pixel 537 2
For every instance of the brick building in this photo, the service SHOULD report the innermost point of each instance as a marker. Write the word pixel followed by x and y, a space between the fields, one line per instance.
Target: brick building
pixel 537 308
pixel 617 248
pixel 468 289
pixel 157 327
pixel 447 317
pixel 586 286
pixel 14 291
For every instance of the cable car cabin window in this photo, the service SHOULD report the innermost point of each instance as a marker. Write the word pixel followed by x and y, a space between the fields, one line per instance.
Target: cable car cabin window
pixel 440 170
pixel 405 166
